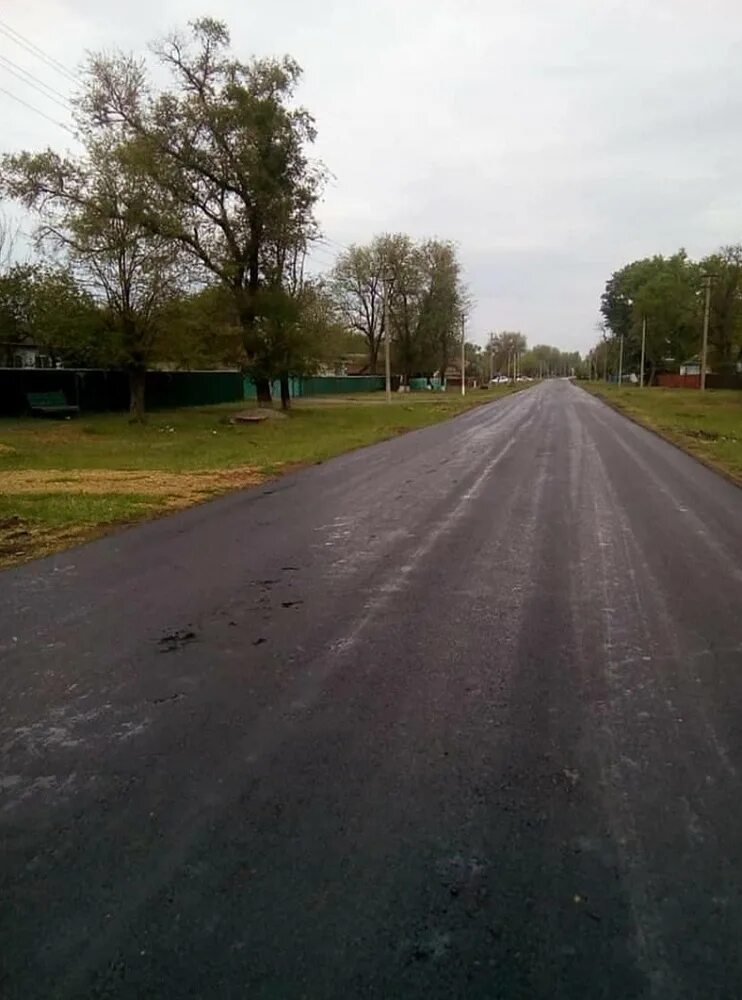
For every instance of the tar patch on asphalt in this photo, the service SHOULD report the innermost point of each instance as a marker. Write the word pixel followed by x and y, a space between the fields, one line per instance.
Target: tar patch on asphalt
pixel 171 641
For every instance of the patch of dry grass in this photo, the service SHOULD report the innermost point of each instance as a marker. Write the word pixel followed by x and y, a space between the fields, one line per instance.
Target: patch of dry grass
pixel 43 510
pixel 188 487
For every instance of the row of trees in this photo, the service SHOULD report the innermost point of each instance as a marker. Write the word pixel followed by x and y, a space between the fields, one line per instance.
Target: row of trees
pixel 509 350
pixel 198 196
pixel 44 303
pixel 181 229
pixel 668 294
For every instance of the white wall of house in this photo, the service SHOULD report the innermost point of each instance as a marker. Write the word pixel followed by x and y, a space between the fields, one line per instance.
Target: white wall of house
pixel 30 357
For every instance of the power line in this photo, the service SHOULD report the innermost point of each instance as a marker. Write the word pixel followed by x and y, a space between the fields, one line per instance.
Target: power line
pixel 32 108
pixel 38 87
pixel 27 72
pixel 37 51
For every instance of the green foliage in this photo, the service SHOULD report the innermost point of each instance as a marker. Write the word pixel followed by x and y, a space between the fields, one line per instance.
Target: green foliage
pixel 477 361
pixel 424 299
pixel 45 306
pixel 223 156
pixel 667 293
pixel 90 209
pixel 357 287
pixel 201 329
pixel 540 361
pixel 198 176
pixel 725 319
pixel 502 347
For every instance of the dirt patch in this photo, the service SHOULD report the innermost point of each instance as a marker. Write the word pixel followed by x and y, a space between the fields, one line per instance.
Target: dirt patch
pixel 181 487
pixel 5 449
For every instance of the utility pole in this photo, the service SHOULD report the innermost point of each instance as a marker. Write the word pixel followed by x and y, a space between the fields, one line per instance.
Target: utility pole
pixel 387 356
pixel 704 349
pixel 492 359
pixel 620 362
pixel 644 350
pixel 463 356
pixel 605 361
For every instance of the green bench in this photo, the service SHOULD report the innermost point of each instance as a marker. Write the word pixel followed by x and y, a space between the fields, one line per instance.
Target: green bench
pixel 50 404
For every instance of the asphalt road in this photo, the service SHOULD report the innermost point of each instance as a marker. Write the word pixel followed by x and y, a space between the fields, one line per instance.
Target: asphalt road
pixel 458 715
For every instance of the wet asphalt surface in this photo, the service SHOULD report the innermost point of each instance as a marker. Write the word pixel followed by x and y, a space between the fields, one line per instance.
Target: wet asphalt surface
pixel 458 715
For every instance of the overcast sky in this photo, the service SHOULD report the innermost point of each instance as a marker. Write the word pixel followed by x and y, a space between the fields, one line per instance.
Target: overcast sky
pixel 553 141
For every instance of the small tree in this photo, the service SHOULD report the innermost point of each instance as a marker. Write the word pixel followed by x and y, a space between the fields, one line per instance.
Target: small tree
pixel 442 301
pixel 301 333
pixel 357 285
pixel 45 306
pixel 404 312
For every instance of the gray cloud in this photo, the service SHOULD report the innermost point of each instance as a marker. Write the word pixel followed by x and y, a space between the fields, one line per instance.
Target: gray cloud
pixel 552 142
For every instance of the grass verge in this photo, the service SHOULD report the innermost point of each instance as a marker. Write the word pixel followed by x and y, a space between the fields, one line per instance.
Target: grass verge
pixel 62 482
pixel 707 425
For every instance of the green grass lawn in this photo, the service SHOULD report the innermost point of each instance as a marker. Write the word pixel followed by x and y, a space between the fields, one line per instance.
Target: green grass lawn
pixel 706 424
pixel 64 481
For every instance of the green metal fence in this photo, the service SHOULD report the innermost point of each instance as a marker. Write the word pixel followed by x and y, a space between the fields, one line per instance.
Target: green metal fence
pixel 321 385
pixel 417 384
pixel 95 390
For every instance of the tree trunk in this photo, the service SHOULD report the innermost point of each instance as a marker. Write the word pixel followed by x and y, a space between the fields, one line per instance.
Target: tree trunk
pixel 137 379
pixel 285 392
pixel 263 390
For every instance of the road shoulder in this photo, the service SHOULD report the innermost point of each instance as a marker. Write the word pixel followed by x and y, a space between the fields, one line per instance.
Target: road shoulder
pixel 693 436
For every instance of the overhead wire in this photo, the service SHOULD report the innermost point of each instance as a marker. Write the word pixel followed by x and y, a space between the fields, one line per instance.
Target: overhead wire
pixel 38 87
pixel 37 51
pixel 31 107
pixel 325 244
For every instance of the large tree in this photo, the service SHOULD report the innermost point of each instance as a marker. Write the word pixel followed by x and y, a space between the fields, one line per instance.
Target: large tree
pixel 224 151
pixel 90 208
pixel 664 292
